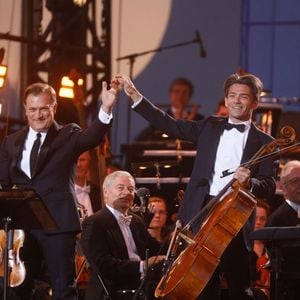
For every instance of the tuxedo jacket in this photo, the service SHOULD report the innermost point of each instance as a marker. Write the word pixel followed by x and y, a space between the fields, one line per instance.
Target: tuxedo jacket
pixel 283 216
pixel 197 117
pixel 53 179
pixel 286 216
pixel 155 134
pixel 105 249
pixel 205 134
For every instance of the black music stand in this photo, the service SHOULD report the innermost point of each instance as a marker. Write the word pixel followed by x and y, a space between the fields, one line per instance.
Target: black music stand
pixel 21 209
pixel 278 238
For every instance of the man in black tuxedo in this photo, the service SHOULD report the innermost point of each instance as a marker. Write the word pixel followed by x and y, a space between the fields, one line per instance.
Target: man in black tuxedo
pixel 222 144
pixel 42 157
pixel 115 240
pixel 288 214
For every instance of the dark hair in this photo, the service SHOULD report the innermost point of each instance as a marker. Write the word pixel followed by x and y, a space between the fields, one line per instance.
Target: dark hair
pixel 263 204
pixel 250 80
pixel 40 88
pixel 156 199
pixel 183 81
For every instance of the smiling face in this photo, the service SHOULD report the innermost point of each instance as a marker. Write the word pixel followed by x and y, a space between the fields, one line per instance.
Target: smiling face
pixel 119 193
pixel 40 110
pixel 240 102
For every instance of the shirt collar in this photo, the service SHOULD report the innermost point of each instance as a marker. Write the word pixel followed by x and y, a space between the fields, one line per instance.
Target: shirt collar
pixel 32 133
pixel 115 212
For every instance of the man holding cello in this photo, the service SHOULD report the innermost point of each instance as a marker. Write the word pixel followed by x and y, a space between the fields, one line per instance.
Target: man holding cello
pixel 223 145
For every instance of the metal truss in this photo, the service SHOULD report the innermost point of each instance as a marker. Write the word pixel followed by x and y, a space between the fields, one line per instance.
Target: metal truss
pixel 69 40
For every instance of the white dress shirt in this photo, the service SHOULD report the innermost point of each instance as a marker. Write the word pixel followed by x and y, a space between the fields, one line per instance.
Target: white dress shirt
pixel 83 198
pixel 25 161
pixel 127 234
pixel 229 154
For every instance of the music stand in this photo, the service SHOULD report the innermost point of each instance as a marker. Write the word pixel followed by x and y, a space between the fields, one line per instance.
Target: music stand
pixel 277 238
pixel 21 209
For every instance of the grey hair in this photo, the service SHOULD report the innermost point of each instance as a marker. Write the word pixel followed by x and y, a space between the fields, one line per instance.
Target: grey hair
pixel 110 178
pixel 288 165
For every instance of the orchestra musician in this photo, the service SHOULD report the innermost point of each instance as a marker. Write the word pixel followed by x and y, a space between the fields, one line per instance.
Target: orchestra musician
pixel 180 93
pixel 115 240
pixel 42 157
pixel 288 215
pixel 87 193
pixel 157 226
pixel 222 144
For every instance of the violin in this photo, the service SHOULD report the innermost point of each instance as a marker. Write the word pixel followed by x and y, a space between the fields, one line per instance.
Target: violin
pixel 222 218
pixel 17 269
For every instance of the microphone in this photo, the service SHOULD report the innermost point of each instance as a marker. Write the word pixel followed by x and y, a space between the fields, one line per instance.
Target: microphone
pixel 143 194
pixel 199 41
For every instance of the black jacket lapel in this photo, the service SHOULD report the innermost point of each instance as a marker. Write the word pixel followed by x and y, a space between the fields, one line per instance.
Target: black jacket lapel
pixel 18 147
pixel 251 146
pixel 51 134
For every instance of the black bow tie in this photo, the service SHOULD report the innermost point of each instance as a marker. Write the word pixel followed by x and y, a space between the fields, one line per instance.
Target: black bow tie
pixel 239 127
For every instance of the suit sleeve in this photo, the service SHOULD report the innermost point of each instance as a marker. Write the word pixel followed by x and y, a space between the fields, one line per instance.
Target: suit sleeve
pixel 185 130
pixel 263 176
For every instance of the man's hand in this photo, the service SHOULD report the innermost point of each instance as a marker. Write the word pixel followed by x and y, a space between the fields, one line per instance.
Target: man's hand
pixel 242 175
pixel 155 260
pixel 121 81
pixel 108 97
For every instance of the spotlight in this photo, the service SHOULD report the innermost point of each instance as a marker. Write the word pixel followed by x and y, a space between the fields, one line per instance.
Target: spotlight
pixel 3 68
pixel 79 2
pixel 67 87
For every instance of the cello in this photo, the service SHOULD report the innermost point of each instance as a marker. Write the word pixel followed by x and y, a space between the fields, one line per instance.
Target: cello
pixel 222 218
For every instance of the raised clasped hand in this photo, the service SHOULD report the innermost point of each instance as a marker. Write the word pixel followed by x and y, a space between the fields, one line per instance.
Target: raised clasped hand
pixel 108 96
pixel 122 81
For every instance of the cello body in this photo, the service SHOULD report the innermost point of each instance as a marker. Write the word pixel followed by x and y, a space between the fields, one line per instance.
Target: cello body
pixel 194 267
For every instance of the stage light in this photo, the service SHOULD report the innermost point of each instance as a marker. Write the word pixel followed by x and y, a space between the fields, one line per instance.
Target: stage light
pixel 3 68
pixel 79 2
pixel 67 87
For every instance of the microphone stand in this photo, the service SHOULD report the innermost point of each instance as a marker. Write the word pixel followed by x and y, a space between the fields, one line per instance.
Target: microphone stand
pixel 132 58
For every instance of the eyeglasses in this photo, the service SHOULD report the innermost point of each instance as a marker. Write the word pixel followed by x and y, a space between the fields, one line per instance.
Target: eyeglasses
pixel 44 109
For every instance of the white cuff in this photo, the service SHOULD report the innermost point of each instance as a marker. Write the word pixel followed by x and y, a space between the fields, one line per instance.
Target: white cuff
pixel 136 103
pixel 104 117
